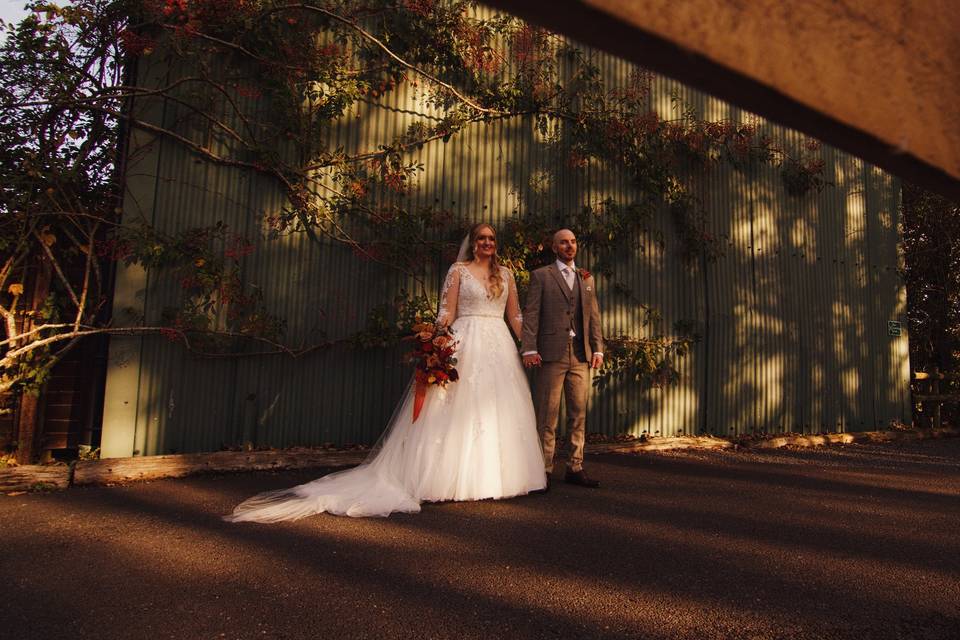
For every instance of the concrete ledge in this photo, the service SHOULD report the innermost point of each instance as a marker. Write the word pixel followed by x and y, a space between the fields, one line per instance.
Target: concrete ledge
pixel 120 470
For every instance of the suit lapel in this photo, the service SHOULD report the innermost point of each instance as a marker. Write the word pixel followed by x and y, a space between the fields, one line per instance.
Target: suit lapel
pixel 555 272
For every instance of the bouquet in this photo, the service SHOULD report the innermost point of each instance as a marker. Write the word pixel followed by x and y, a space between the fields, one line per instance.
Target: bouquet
pixel 433 358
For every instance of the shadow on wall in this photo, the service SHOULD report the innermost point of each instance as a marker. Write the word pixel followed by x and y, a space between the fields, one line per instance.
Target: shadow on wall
pixel 792 313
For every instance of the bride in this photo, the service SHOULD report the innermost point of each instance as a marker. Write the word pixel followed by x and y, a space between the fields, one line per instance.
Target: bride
pixel 474 439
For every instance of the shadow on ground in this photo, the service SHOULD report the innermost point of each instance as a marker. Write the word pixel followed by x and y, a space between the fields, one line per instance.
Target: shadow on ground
pixel 844 542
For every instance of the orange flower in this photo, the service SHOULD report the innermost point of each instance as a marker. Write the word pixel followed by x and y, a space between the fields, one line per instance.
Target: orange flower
pixel 433 358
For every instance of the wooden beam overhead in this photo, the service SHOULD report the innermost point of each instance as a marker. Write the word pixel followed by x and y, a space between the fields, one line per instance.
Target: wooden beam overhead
pixel 876 78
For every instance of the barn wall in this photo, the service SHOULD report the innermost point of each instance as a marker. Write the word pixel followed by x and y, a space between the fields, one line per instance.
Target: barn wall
pixel 793 314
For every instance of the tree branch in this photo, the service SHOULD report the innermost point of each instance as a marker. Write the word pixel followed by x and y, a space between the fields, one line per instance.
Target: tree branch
pixel 406 146
pixel 90 330
pixel 369 36
pixel 56 266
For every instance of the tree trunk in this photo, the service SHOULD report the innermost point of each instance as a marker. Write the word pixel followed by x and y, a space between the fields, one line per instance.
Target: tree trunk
pixel 28 437
pixel 28 433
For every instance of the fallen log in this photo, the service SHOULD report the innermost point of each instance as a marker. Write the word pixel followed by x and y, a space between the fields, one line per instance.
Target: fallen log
pixel 848 438
pixel 120 470
pixel 34 477
pixel 660 444
pixel 117 470
pixel 769 442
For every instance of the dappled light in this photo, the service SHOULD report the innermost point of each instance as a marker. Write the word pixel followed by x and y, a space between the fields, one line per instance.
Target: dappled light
pixel 799 542
pixel 248 238
pixel 283 226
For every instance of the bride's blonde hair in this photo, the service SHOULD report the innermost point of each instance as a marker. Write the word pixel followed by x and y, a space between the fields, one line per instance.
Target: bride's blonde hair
pixel 496 281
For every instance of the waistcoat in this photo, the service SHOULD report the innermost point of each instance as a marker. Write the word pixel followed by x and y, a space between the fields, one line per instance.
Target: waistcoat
pixel 575 315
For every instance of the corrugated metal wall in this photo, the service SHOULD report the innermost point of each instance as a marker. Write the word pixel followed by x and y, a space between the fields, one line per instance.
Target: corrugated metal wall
pixel 794 314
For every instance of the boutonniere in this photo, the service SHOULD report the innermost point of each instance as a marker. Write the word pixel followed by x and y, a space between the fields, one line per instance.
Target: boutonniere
pixel 584 274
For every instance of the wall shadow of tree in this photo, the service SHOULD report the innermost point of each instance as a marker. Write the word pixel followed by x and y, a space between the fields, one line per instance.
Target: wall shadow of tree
pixel 769 360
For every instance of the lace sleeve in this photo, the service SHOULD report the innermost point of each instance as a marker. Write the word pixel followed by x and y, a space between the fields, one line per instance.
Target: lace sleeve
pixel 514 317
pixel 449 295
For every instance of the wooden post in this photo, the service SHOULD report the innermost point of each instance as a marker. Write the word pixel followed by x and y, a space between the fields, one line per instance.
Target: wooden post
pixel 28 435
pixel 935 390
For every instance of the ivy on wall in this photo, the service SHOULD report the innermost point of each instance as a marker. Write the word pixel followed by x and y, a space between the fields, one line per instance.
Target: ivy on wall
pixel 265 82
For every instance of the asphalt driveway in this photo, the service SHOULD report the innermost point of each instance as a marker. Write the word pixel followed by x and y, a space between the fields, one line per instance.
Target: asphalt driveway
pixel 860 541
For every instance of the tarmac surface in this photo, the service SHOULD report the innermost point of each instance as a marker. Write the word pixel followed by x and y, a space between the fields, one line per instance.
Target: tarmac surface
pixel 858 541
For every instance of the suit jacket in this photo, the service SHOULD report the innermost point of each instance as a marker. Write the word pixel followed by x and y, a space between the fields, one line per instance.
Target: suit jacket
pixel 545 322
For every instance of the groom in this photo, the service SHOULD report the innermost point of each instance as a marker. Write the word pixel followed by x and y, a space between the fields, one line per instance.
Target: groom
pixel 562 334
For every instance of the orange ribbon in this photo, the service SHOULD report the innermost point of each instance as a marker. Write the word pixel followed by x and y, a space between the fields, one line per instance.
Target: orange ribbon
pixel 419 395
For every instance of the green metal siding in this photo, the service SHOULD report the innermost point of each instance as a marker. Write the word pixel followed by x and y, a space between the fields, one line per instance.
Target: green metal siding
pixel 793 314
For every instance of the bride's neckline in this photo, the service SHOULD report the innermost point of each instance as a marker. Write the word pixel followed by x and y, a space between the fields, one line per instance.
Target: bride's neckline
pixel 465 267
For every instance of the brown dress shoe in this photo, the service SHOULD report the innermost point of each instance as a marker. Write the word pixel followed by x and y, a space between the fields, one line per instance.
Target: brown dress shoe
pixel 581 479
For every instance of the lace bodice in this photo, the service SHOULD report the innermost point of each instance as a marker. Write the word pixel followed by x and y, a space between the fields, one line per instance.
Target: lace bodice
pixel 465 295
pixel 475 299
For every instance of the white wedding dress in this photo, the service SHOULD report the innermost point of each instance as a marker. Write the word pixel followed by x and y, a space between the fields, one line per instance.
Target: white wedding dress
pixel 474 439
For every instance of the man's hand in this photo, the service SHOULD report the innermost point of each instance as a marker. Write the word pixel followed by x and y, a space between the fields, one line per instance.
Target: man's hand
pixel 532 360
pixel 597 360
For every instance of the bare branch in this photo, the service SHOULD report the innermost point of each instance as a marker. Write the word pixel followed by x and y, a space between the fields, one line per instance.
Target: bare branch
pixel 90 330
pixel 56 266
pixel 406 146
pixel 37 329
pixel 86 279
pixel 198 149
pixel 124 92
pixel 10 322
pixel 76 214
pixel 232 45
pixel 372 38
pixel 17 255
